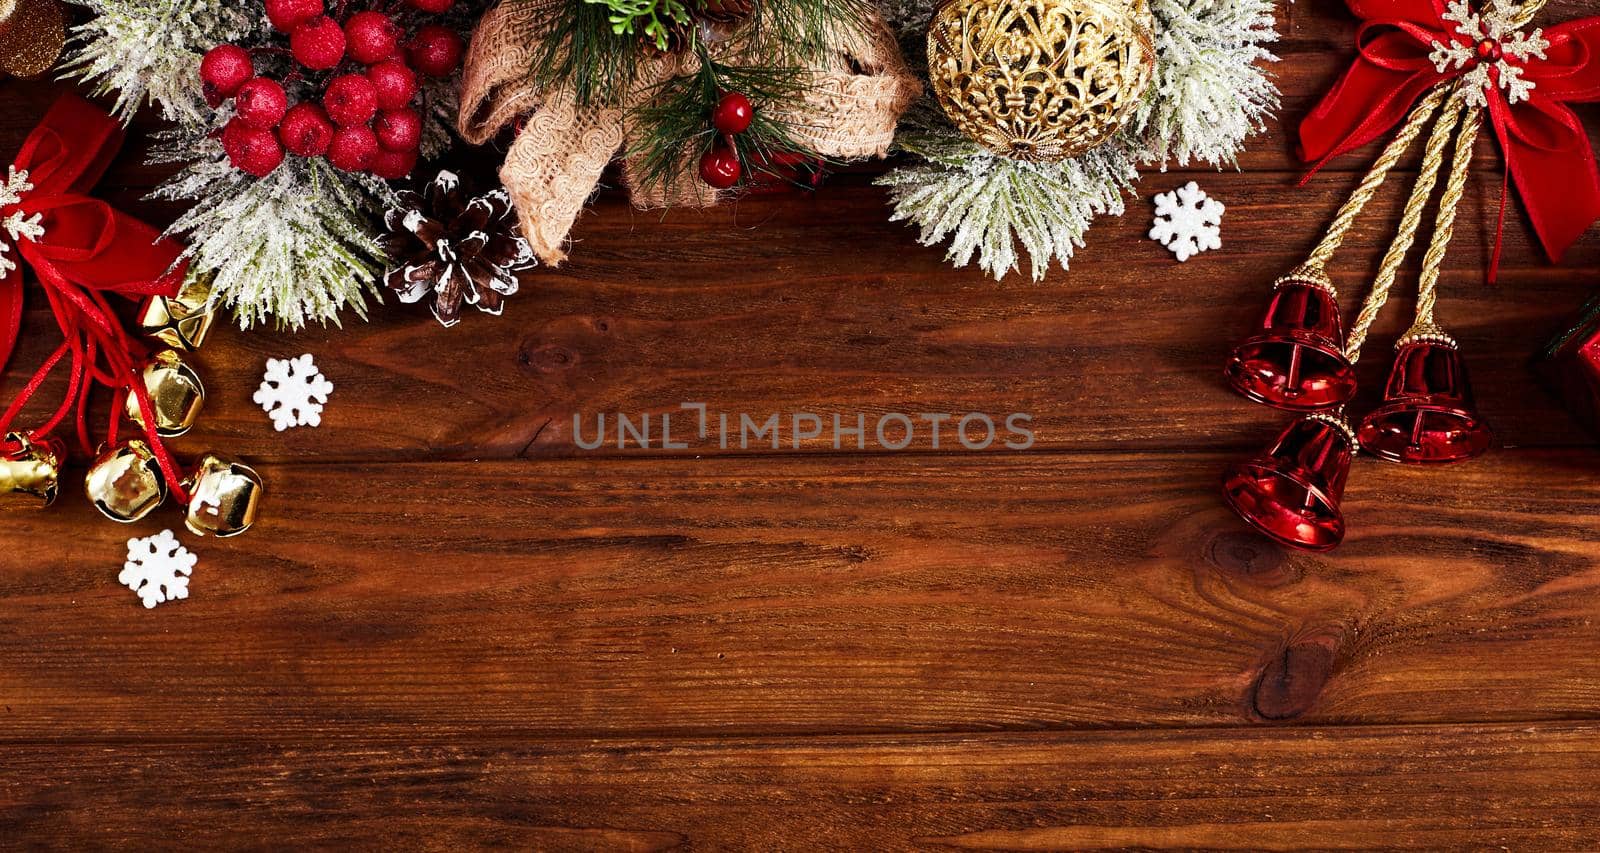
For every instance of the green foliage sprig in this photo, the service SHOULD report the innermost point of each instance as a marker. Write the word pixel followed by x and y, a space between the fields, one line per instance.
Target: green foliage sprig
pixel 650 18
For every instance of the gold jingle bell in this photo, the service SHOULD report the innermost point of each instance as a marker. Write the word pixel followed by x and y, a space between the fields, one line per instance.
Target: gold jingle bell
pixel 125 482
pixel 176 394
pixel 181 321
pixel 1040 80
pixel 34 470
pixel 222 497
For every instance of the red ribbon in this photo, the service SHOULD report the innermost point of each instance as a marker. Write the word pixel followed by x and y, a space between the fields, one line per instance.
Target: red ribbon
pixel 1546 150
pixel 88 250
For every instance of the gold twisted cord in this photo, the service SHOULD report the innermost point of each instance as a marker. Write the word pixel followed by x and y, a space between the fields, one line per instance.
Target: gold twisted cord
pixel 1424 325
pixel 1410 221
pixel 1323 253
pixel 1518 17
pixel 1444 225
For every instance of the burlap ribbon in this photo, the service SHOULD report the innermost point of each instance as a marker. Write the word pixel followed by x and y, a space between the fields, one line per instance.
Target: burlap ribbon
pixel 850 110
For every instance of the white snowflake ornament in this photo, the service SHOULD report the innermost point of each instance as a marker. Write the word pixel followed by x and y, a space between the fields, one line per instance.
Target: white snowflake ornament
pixel 1485 42
pixel 17 226
pixel 293 392
pixel 1188 221
pixel 158 568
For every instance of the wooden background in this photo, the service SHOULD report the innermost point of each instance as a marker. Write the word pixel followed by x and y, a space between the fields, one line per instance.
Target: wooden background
pixel 453 627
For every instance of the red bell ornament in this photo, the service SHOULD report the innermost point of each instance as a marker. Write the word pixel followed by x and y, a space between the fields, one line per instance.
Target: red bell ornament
pixel 1291 493
pixel 1296 361
pixel 1428 416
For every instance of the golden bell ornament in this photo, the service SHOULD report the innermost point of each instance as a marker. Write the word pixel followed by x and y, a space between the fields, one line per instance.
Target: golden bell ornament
pixel 222 497
pixel 183 320
pixel 176 394
pixel 125 482
pixel 33 471
pixel 1040 80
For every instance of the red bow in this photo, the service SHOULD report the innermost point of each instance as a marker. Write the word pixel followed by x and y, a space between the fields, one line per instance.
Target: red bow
pixel 86 250
pixel 1546 150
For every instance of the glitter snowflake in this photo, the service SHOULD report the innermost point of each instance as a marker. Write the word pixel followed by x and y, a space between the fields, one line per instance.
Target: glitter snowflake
pixel 1485 45
pixel 158 568
pixel 16 225
pixel 1188 222
pixel 293 392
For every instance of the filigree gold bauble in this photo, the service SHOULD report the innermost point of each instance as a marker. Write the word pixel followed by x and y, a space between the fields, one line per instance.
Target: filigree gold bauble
pixel 33 470
pixel 223 496
pixel 1040 80
pixel 125 482
pixel 175 391
pixel 180 321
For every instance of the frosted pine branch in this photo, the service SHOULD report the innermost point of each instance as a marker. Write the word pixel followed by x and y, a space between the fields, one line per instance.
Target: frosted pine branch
pixel 1210 90
pixel 150 50
pixel 294 246
pixel 986 205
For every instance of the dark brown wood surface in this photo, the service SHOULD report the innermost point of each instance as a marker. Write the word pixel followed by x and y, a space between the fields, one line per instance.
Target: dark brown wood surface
pixel 453 626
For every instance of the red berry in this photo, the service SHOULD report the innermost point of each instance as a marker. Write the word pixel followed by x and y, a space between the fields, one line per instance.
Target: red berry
pixel 318 44
pixel 395 82
pixel 261 103
pixel 285 15
pixel 351 99
pixel 435 50
pixel 432 7
pixel 372 36
pixel 353 148
pixel 399 130
pixel 720 167
pixel 306 130
pixel 393 165
pixel 251 149
pixel 224 69
pixel 733 114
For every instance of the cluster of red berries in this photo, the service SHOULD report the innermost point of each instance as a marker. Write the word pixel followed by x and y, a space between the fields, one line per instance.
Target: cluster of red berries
pixel 362 120
pixel 732 116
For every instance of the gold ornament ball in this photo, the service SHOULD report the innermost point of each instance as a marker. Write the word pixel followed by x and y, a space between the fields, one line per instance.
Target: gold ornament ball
pixel 1040 80
pixel 32 33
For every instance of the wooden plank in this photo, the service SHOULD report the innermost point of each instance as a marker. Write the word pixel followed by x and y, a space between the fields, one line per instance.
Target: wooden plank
pixel 1397 788
pixel 813 594
pixel 827 308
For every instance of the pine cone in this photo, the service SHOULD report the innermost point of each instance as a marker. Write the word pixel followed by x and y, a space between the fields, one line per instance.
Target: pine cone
pixel 459 247
pixel 725 11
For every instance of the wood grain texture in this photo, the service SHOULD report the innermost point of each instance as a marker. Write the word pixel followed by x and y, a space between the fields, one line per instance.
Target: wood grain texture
pixel 1409 788
pixel 454 629
pixel 816 594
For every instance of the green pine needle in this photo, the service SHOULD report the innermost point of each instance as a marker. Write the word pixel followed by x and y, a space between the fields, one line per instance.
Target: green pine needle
pixel 592 47
pixel 581 52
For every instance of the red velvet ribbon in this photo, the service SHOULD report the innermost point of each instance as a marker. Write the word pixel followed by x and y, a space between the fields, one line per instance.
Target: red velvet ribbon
pixel 1547 152
pixel 88 250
